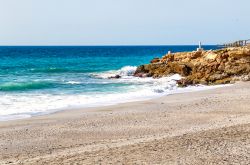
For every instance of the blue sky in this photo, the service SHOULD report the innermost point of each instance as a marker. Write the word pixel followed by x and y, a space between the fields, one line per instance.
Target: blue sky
pixel 123 22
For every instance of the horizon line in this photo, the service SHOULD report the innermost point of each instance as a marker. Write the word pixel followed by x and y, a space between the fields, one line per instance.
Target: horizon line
pixel 106 45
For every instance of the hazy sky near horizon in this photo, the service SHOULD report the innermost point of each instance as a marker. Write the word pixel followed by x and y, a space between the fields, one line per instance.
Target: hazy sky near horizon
pixel 122 22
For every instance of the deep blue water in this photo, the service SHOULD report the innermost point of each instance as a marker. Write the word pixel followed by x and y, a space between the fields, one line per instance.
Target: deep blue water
pixel 43 72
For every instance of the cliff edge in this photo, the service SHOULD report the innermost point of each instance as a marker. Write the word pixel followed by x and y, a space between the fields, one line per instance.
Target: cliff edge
pixel 201 67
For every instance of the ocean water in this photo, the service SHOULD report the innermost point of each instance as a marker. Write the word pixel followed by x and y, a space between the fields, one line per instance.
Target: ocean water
pixel 39 80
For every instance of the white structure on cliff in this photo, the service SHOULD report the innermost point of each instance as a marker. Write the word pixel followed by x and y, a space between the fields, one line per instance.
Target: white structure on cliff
pixel 200 48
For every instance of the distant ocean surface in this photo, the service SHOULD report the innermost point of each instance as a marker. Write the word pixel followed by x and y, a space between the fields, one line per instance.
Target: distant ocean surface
pixel 39 80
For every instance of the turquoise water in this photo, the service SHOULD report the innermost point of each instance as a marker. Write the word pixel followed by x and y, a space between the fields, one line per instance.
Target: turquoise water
pixel 36 80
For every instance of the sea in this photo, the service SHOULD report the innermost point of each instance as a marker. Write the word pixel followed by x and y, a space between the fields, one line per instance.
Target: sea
pixel 36 80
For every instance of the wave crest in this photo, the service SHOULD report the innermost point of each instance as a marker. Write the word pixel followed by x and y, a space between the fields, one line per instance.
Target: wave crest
pixel 49 70
pixel 60 70
pixel 21 86
pixel 127 71
pixel 123 72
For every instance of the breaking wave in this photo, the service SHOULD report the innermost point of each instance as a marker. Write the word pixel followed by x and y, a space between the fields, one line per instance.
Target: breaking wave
pixel 123 72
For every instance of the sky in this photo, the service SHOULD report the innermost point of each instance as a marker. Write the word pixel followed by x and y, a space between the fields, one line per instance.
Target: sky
pixel 123 22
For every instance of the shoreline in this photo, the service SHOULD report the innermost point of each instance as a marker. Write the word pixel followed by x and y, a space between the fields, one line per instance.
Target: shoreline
pixel 181 128
pixel 189 89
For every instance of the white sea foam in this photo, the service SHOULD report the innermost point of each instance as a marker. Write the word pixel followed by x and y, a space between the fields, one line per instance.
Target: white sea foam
pixel 22 105
pixel 123 72
pixel 73 82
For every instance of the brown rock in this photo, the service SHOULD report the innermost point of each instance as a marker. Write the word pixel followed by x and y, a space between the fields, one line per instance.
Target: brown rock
pixel 202 67
pixel 115 77
pixel 155 60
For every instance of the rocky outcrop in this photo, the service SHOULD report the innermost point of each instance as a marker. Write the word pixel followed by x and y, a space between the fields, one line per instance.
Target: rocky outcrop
pixel 202 67
pixel 155 60
pixel 114 77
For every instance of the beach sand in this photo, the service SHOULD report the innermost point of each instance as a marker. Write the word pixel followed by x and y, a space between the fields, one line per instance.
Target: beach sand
pixel 205 127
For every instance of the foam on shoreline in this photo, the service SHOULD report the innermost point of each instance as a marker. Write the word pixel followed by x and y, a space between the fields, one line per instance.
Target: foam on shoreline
pixel 24 105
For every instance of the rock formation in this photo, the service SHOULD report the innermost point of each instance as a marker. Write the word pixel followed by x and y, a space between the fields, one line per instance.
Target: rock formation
pixel 202 67
pixel 114 77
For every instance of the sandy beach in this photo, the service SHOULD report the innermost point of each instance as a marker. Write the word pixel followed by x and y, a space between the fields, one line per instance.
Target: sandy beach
pixel 205 127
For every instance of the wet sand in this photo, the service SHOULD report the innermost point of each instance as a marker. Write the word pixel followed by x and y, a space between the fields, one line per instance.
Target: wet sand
pixel 206 127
